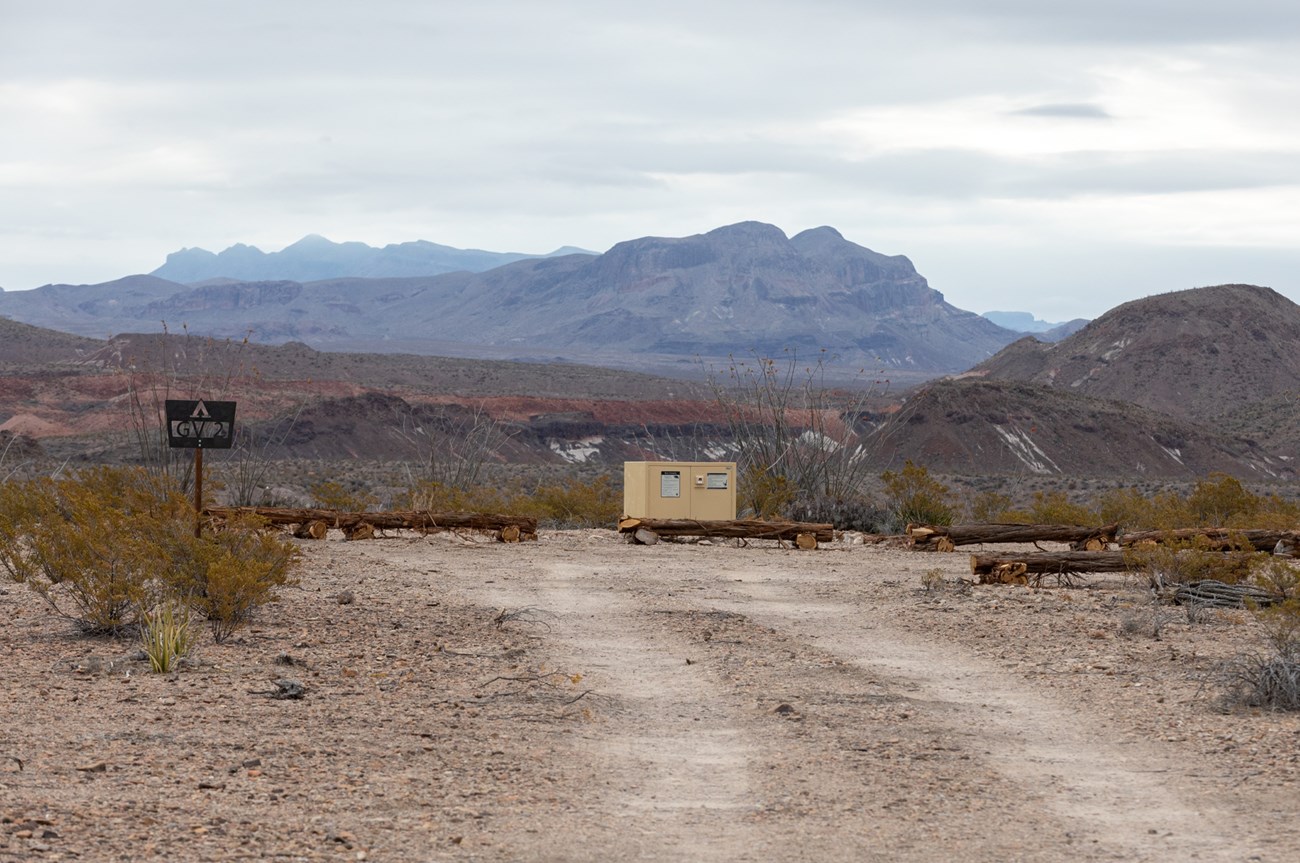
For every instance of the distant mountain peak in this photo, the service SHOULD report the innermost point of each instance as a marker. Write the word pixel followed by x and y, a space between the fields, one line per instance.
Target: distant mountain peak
pixel 318 258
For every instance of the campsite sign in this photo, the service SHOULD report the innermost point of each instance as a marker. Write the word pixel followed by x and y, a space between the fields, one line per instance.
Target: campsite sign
pixel 200 424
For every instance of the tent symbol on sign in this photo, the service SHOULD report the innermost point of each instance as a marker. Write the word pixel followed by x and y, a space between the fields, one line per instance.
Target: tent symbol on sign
pixel 200 412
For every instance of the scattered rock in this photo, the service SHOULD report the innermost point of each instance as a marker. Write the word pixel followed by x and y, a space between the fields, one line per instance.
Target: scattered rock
pixel 285 689
pixel 785 710
pixel 345 597
pixel 96 767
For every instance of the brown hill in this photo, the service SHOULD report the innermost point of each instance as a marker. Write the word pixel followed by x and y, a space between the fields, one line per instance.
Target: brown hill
pixel 331 405
pixel 974 426
pixel 23 345
pixel 1198 354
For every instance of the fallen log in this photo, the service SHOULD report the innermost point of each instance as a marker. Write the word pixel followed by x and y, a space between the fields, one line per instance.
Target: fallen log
pixel 1217 594
pixel 932 536
pixel 1062 562
pixel 751 528
pixel 422 520
pixel 1214 537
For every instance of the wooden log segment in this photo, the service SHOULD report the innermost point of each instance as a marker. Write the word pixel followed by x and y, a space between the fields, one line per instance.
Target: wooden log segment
pixel 311 530
pixel 502 525
pixel 1052 562
pixel 940 536
pixel 1215 537
pixel 736 529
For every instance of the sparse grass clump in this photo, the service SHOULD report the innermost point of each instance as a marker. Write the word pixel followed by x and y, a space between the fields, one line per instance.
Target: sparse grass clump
pixel 165 635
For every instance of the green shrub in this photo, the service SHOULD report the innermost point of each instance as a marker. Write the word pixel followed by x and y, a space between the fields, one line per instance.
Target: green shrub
pixel 336 496
pixel 1055 507
pixel 432 496
pixel 573 503
pixel 763 493
pixel 106 544
pixel 1170 564
pixel 914 497
pixel 1221 501
pixel 236 571
pixel 87 544
pixel 989 507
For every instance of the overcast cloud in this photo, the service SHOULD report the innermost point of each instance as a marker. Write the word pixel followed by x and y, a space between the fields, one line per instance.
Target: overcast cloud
pixel 1058 158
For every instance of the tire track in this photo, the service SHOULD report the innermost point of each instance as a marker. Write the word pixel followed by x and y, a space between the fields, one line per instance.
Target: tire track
pixel 1134 799
pixel 675 761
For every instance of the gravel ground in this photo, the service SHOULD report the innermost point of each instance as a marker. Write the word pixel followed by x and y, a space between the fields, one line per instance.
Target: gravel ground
pixel 583 699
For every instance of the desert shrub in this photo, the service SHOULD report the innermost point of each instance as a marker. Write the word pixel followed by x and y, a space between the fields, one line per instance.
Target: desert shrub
pixel 852 514
pixel 88 544
pixel 104 545
pixel 1270 679
pixel 1220 501
pixel 1274 513
pixel 1055 507
pixel 434 496
pixel 332 494
pixel 989 507
pixel 1279 576
pixel 573 503
pixel 1127 507
pixel 165 636
pixel 914 497
pixel 453 445
pixel 234 572
pixel 794 436
pixel 1050 507
pixel 1170 564
pixel 763 493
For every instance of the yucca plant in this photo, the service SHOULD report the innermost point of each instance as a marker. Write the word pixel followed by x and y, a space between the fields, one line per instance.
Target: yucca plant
pixel 166 636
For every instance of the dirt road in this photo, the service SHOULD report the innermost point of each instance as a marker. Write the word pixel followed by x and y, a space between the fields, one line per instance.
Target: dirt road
pixel 581 699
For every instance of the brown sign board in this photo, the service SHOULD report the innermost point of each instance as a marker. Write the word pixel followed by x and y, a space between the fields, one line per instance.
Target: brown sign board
pixel 200 424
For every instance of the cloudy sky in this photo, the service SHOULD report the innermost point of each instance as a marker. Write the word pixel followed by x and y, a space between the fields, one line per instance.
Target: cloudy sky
pixel 1058 157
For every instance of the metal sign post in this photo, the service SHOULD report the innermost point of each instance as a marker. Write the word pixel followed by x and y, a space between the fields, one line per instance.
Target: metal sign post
pixel 199 425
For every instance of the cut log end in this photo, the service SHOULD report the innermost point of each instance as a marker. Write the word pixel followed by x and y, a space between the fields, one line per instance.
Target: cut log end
pixel 805 541
pixel 510 533
pixel 315 529
pixel 1007 573
pixel 361 530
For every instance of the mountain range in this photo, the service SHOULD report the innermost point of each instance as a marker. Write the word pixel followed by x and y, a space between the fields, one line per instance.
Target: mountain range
pixel 1171 386
pixel 314 258
pixel 1019 414
pixel 653 302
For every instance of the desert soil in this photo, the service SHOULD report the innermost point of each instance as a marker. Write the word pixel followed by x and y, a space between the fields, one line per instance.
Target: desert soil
pixel 580 699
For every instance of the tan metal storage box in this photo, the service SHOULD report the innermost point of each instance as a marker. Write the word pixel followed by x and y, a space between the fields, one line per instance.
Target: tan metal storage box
pixel 703 490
